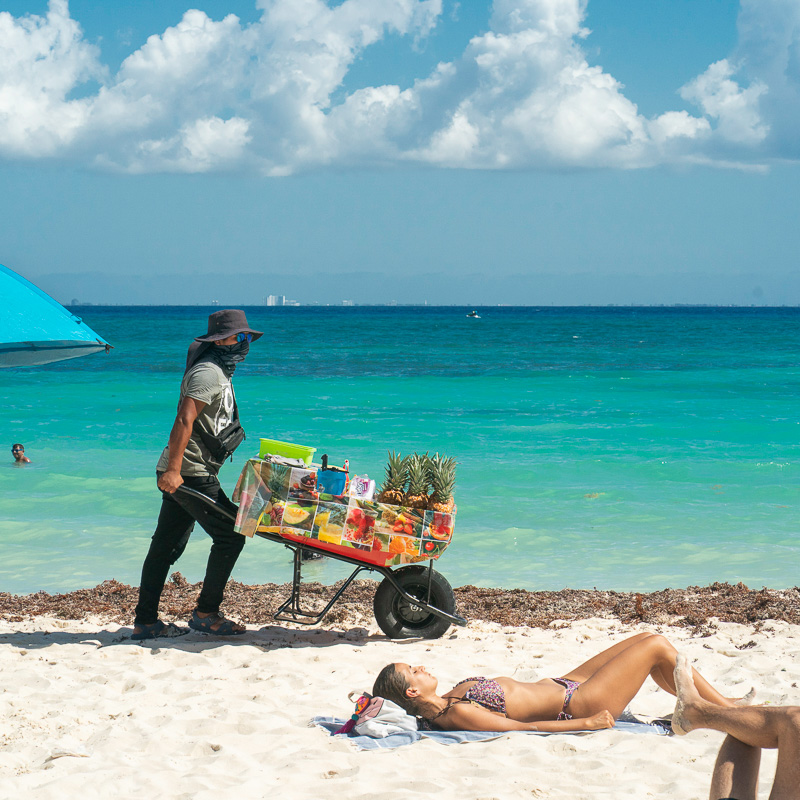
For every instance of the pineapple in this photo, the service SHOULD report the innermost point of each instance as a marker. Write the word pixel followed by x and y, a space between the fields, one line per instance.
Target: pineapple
pixel 442 475
pixel 394 486
pixel 417 494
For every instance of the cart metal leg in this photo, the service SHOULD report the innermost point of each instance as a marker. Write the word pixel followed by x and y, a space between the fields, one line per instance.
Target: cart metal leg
pixel 291 611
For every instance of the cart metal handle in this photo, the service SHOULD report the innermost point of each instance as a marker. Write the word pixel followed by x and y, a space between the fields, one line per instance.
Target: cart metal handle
pixel 208 501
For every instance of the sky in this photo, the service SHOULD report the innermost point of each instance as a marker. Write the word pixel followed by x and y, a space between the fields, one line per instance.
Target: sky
pixel 519 152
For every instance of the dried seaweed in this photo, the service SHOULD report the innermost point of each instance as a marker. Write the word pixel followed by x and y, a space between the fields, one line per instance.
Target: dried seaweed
pixel 695 607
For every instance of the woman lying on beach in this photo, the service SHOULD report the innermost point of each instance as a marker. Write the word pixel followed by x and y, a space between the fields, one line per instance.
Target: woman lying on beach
pixel 589 697
pixel 749 731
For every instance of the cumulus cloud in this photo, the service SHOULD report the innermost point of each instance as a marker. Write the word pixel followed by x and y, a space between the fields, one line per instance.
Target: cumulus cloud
pixel 199 146
pixel 735 109
pixel 768 54
pixel 219 95
pixel 42 59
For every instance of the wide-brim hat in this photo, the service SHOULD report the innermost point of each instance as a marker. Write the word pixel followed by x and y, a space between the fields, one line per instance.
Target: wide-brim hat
pixel 221 325
pixel 225 323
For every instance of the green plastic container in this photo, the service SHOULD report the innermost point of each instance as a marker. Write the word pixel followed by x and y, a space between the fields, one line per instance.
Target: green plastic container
pixel 286 449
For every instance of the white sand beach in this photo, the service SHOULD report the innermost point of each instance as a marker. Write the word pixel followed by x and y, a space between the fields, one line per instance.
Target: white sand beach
pixel 86 712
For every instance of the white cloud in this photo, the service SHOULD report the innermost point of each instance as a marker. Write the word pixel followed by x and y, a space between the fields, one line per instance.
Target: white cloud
pixel 735 109
pixel 524 95
pixel 768 54
pixel 200 146
pixel 216 94
pixel 42 59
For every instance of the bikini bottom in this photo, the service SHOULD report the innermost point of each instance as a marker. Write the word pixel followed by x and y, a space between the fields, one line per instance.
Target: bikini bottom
pixel 571 687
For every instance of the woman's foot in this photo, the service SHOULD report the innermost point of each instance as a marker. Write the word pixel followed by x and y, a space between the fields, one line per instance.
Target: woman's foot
pixel 689 700
pixel 745 700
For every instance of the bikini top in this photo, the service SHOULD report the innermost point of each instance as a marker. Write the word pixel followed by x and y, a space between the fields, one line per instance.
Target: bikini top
pixel 486 692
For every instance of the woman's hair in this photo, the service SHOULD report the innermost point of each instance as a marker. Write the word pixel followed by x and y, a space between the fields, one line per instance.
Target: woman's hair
pixel 392 684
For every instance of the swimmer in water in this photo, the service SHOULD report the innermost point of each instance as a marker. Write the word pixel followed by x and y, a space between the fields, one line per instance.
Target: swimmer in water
pixel 18 451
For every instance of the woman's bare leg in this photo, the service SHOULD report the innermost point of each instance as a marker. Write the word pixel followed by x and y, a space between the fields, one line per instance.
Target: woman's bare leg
pixel 757 726
pixel 615 684
pixel 736 771
pixel 588 668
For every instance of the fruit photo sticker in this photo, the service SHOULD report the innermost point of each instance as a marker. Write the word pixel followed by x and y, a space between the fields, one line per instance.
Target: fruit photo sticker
pixel 367 505
pixel 432 549
pixel 385 517
pixel 272 516
pixel 438 526
pixel 303 485
pixel 360 525
pixel 276 477
pixel 394 519
pixel 329 522
pixel 404 546
pixel 409 523
pixel 299 518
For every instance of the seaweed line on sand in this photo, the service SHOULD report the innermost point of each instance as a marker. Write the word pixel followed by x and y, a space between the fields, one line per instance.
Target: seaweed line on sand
pixel 694 607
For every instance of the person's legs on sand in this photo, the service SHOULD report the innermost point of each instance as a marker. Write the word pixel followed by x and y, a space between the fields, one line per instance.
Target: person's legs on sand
pixel 226 546
pixel 167 545
pixel 787 773
pixel 756 726
pixel 615 684
pixel 736 771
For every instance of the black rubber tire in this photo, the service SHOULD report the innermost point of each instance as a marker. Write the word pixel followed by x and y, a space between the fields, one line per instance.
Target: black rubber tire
pixel 398 619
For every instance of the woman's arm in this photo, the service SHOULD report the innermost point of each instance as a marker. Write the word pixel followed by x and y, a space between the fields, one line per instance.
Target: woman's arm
pixel 469 717
pixel 597 722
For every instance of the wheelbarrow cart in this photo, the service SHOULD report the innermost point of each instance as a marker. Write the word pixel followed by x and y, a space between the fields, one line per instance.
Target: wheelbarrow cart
pixel 412 600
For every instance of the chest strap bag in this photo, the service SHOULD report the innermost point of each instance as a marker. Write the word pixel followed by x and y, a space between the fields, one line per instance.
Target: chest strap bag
pixel 222 446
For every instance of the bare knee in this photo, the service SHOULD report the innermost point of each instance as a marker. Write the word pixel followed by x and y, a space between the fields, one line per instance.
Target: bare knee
pixel 641 638
pixel 661 643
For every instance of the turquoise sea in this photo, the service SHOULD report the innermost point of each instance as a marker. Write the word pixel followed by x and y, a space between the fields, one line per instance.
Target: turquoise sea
pixel 617 448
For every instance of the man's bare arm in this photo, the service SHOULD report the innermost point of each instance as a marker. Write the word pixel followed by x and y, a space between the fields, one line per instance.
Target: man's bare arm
pixel 178 439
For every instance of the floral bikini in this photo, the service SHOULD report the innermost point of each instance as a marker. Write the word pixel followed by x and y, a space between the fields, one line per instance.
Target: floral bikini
pixel 488 693
pixel 571 687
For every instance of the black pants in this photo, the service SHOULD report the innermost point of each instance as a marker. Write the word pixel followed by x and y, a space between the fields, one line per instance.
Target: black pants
pixel 176 520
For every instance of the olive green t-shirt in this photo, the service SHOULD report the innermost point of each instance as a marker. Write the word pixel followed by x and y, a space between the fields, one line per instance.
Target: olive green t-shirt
pixel 207 383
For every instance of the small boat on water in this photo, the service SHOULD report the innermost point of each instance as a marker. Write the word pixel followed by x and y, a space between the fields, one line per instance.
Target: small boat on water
pixel 474 315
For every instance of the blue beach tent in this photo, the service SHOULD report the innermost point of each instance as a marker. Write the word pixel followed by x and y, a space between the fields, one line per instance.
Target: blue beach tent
pixel 35 329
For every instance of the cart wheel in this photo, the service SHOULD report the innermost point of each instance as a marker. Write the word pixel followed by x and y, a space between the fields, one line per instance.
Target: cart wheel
pixel 399 619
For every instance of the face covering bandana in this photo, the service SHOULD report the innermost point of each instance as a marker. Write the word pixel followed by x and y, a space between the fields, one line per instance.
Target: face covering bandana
pixel 227 356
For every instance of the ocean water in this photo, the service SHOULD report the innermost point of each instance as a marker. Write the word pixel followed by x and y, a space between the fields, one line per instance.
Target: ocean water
pixel 617 448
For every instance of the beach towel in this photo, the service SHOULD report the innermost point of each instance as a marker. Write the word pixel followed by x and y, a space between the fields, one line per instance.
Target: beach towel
pixel 332 724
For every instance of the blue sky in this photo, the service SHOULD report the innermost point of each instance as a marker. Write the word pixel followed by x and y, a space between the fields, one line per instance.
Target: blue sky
pixel 521 151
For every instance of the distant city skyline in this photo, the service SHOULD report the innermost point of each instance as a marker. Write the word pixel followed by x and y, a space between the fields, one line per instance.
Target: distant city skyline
pixel 579 289
pixel 564 152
